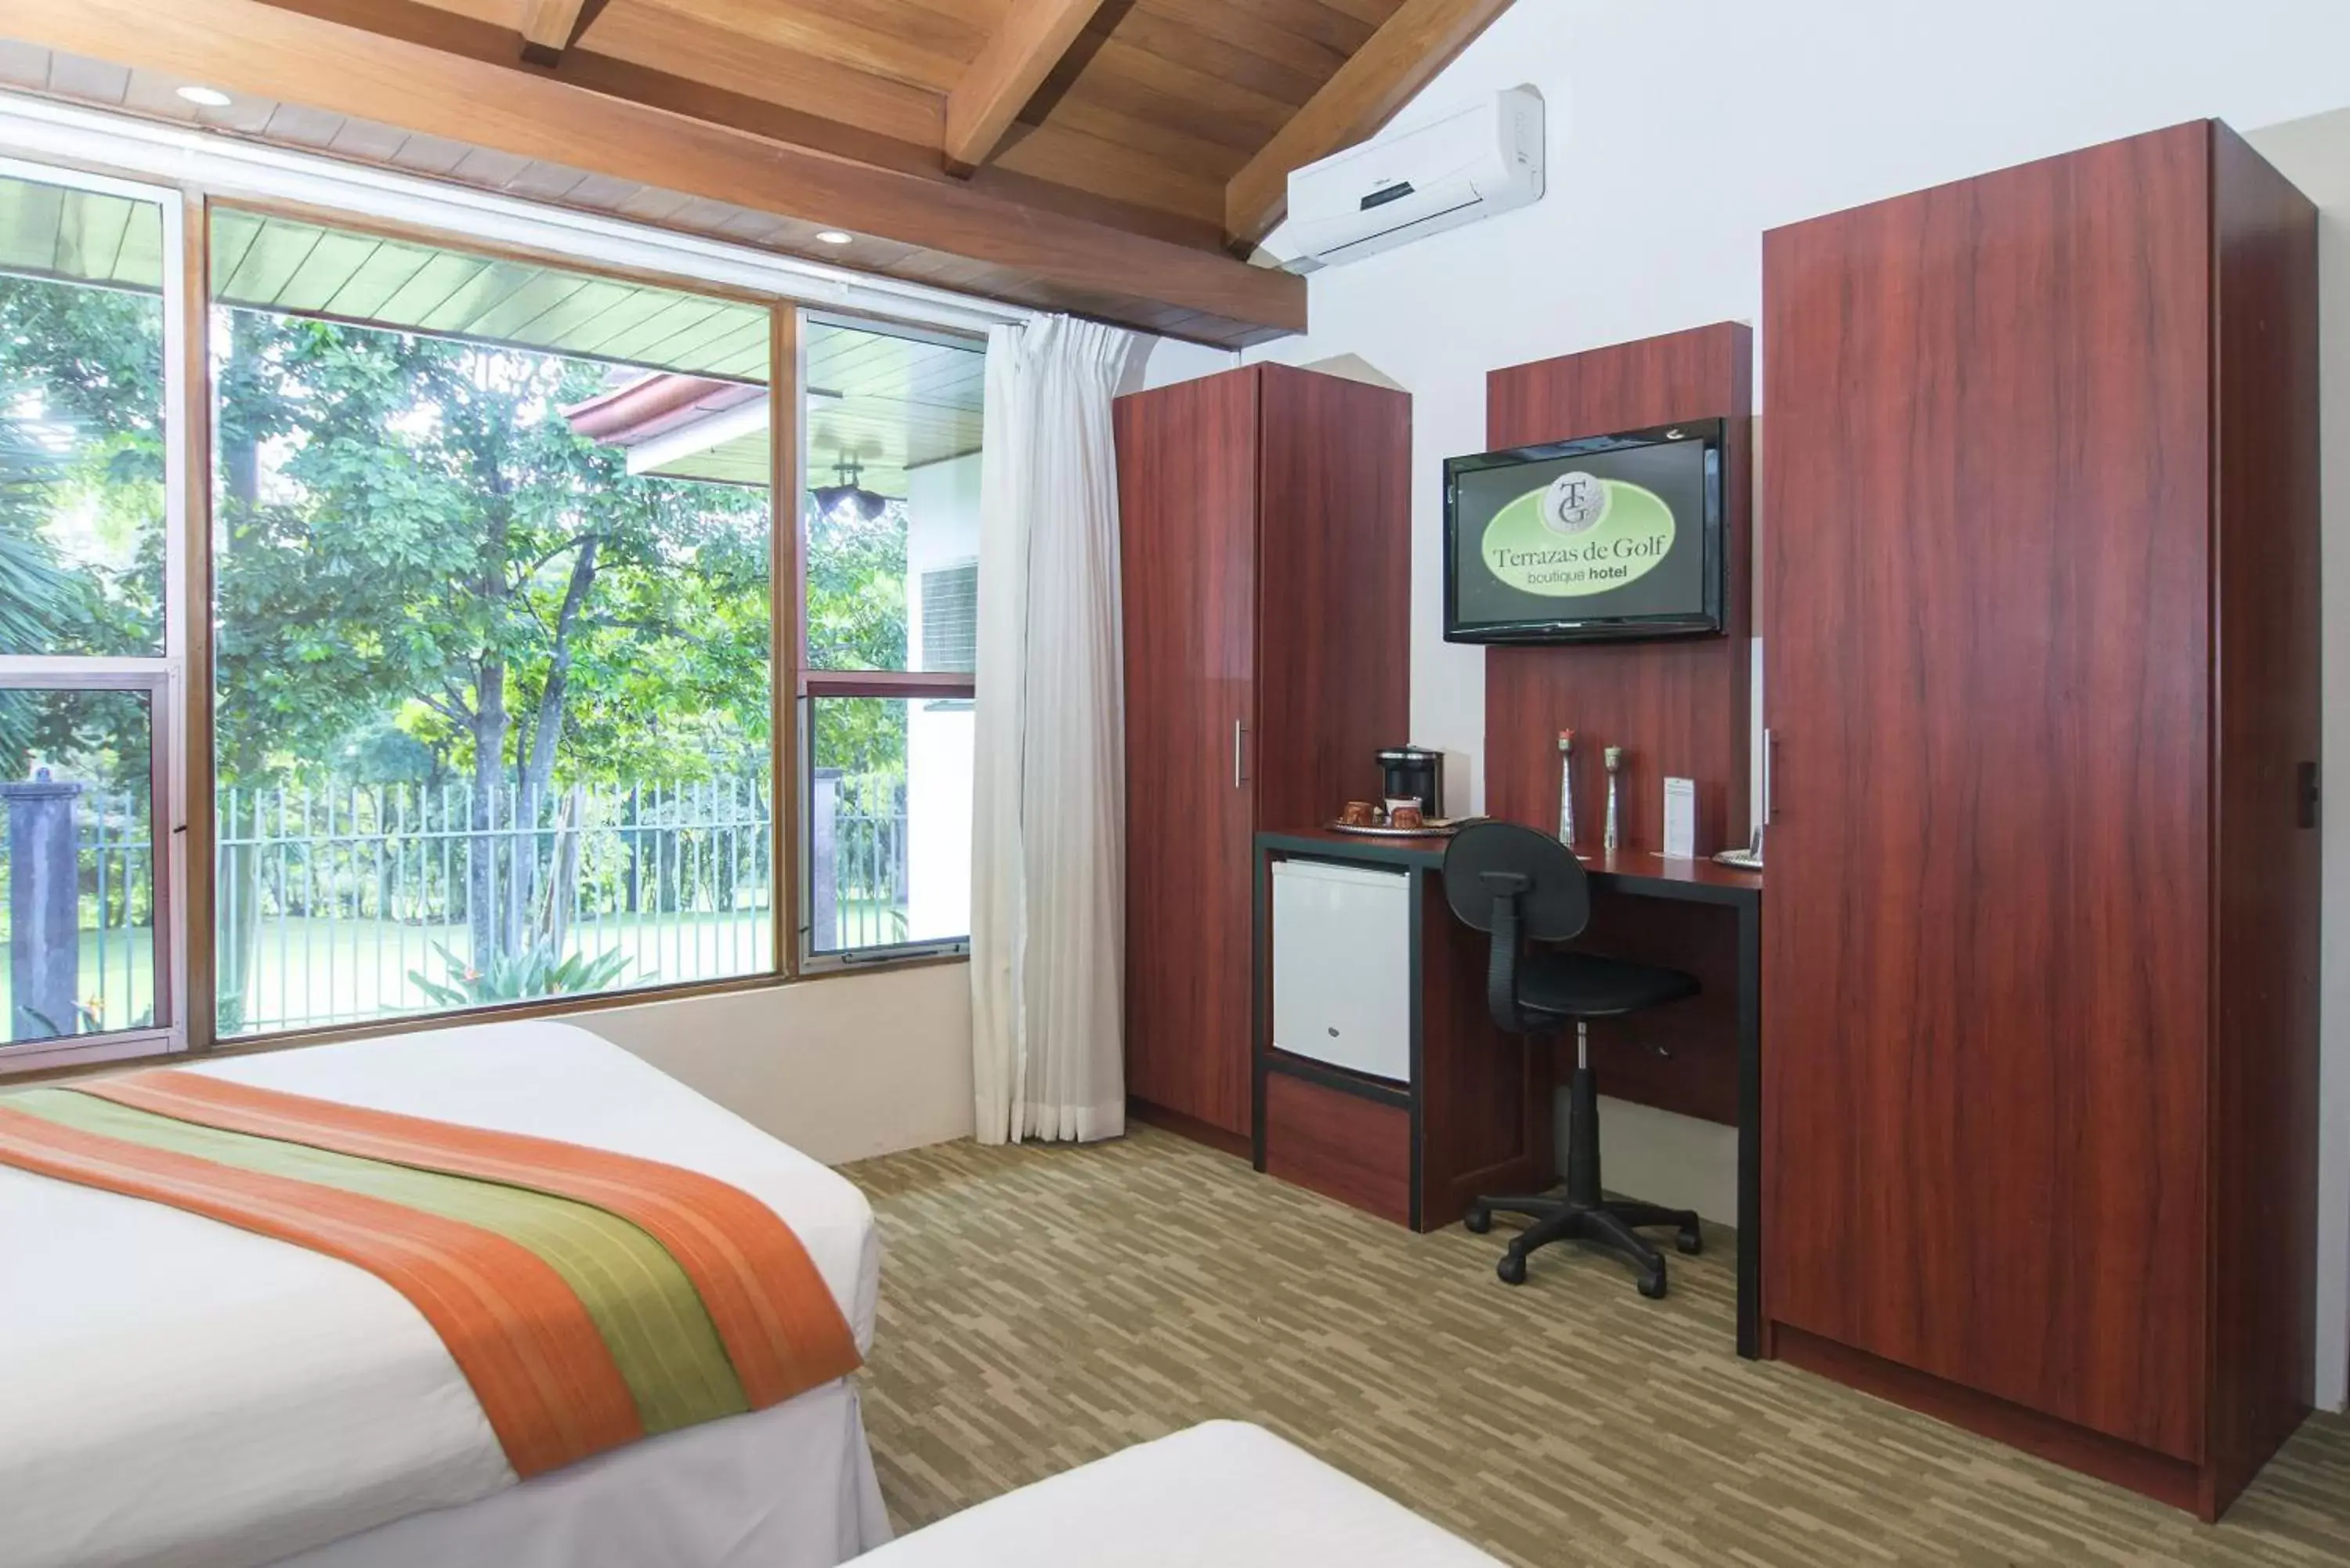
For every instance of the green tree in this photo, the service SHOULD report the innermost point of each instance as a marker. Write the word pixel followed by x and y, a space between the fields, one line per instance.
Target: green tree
pixel 420 521
pixel 857 620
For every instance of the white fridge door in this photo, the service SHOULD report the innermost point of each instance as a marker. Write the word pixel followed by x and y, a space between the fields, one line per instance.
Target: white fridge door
pixel 1342 966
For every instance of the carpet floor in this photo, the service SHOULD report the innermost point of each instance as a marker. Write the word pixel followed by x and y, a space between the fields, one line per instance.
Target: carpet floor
pixel 1043 1306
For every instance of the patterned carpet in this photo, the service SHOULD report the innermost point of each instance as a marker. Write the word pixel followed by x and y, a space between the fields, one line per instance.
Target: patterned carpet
pixel 1041 1307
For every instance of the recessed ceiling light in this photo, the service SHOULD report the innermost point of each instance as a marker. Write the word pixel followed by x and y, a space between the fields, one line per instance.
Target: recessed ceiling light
pixel 208 98
pixel 834 237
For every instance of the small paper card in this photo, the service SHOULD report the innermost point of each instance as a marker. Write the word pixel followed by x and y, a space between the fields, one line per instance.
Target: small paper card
pixel 1681 819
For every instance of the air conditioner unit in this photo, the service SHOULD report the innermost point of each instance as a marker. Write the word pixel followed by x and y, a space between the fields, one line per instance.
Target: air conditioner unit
pixel 1485 160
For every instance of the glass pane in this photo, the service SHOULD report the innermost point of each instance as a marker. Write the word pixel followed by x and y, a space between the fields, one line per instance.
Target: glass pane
pixel 77 863
pixel 492 719
pixel 891 516
pixel 81 422
pixel 889 821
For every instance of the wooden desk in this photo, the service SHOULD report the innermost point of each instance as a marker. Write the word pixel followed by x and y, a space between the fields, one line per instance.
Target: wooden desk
pixel 1477 1116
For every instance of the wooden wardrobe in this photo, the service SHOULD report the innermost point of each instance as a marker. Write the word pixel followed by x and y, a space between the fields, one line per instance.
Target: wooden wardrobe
pixel 1265 525
pixel 2039 553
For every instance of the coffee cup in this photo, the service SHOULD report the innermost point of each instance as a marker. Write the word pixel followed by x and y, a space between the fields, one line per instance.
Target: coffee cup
pixel 1358 813
pixel 1406 817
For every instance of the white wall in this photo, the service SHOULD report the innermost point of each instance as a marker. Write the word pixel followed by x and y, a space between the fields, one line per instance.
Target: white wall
pixel 1677 135
pixel 1163 361
pixel 841 1068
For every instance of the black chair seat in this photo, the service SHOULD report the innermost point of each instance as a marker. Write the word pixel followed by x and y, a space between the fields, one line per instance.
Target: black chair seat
pixel 1584 985
pixel 1527 891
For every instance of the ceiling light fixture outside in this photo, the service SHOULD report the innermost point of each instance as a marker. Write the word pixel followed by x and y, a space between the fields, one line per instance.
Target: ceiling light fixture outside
pixel 205 97
pixel 834 237
pixel 861 503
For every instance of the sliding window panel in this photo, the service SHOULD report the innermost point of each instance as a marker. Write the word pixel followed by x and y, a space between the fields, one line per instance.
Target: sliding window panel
pixel 92 547
pixel 84 879
pixel 84 498
pixel 493 707
pixel 888 803
pixel 892 427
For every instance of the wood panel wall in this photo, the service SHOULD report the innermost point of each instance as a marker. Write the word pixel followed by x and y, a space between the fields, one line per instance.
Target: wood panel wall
pixel 1681 708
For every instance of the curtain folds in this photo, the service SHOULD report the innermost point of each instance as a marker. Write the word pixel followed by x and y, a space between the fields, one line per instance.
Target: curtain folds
pixel 1048 832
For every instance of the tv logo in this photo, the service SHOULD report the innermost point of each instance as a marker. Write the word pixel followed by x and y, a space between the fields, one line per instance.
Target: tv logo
pixel 1574 504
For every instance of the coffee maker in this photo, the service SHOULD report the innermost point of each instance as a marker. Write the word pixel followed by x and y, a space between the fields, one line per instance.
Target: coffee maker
pixel 1414 772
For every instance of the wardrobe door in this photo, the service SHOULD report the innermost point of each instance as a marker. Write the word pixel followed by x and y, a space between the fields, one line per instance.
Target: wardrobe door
pixel 1335 566
pixel 1986 644
pixel 1187 461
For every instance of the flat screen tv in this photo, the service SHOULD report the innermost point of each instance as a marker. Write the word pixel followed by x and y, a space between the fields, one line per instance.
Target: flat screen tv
pixel 1616 537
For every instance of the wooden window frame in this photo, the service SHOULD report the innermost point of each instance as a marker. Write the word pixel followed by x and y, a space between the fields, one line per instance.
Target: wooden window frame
pixel 812 685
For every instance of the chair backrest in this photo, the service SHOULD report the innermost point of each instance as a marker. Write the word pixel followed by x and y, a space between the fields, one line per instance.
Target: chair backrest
pixel 1518 885
pixel 1493 860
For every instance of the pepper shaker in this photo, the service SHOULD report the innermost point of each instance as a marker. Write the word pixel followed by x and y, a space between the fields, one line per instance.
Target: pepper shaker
pixel 1566 787
pixel 1614 756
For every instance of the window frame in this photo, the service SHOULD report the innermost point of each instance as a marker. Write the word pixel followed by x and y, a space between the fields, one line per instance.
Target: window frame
pixel 778 969
pixel 189 175
pixel 169 1034
pixel 811 686
pixel 162 677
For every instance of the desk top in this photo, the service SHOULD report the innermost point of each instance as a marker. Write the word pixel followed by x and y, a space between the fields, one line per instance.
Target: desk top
pixel 1630 869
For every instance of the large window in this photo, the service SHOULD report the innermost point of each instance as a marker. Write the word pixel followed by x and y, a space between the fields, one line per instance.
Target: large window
pixel 390 628
pixel 89 554
pixel 492 585
pixel 892 424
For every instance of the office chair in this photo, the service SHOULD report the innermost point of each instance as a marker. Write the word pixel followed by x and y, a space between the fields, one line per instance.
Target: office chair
pixel 1526 887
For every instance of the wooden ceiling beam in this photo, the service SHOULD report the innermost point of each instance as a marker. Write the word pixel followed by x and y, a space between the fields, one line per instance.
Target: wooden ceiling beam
pixel 548 27
pixel 293 54
pixel 1403 57
pixel 1005 75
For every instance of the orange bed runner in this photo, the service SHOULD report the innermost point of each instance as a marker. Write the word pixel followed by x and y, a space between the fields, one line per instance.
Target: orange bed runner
pixel 528 1346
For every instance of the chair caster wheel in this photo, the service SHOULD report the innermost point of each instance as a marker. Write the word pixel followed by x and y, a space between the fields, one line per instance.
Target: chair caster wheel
pixel 1512 1269
pixel 1478 1219
pixel 1653 1285
pixel 1691 1241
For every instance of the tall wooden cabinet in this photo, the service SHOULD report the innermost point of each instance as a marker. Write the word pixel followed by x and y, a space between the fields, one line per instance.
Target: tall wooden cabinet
pixel 2039 552
pixel 1264 518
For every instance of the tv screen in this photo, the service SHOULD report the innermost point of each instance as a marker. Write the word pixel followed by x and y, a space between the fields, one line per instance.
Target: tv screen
pixel 1612 536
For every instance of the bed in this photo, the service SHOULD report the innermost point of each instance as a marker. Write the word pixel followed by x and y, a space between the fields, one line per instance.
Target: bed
pixel 182 1392
pixel 1223 1494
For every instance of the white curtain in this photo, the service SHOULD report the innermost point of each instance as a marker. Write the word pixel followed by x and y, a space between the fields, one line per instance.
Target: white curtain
pixel 1048 830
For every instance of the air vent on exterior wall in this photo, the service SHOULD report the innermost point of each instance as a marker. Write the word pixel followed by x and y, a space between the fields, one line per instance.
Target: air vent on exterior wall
pixel 951 618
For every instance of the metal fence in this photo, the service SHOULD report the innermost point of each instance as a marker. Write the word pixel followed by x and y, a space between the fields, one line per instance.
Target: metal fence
pixel 344 904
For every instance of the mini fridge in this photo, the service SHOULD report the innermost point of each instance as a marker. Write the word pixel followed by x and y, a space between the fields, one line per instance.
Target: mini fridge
pixel 1342 966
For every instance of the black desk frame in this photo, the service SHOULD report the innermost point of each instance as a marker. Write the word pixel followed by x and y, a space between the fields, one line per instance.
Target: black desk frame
pixel 1424 857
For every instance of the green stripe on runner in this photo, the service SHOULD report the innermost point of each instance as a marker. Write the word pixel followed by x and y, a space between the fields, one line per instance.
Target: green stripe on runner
pixel 642 1304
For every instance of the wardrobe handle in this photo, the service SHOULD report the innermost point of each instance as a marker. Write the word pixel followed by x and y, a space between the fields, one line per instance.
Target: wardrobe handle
pixel 1767 754
pixel 1240 773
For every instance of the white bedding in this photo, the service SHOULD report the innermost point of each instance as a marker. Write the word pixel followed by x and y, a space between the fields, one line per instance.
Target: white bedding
pixel 173 1390
pixel 1223 1494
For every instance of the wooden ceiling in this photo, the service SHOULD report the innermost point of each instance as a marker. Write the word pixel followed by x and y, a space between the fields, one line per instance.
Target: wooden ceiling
pixel 1109 157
